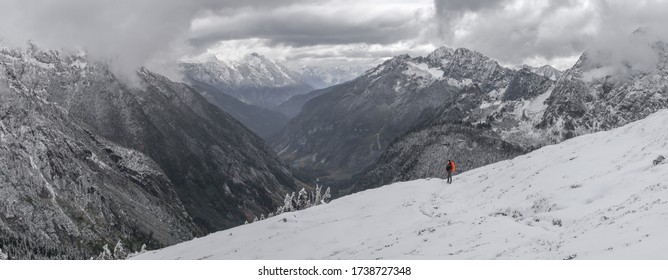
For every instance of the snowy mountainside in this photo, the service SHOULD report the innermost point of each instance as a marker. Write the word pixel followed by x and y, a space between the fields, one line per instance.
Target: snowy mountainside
pixel 597 196
pixel 253 79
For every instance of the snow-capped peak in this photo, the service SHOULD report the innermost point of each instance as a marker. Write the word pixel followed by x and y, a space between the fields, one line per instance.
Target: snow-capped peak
pixel 441 56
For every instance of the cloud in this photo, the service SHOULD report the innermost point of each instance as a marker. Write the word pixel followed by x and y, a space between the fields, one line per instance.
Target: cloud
pixel 555 32
pixel 317 23
pixel 625 44
pixel 130 34
pixel 156 32
pixel 330 55
pixel 127 33
pixel 323 32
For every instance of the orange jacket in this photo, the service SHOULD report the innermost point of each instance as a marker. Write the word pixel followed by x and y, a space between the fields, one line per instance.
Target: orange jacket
pixel 451 164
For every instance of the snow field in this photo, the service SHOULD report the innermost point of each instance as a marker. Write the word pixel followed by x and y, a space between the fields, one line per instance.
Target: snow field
pixel 596 196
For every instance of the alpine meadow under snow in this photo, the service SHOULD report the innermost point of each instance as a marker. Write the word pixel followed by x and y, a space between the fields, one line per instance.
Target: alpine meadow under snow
pixel 597 196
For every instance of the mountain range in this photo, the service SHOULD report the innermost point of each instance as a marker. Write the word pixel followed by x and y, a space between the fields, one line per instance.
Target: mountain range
pixel 90 159
pixel 262 93
pixel 253 79
pixel 339 134
pixel 576 104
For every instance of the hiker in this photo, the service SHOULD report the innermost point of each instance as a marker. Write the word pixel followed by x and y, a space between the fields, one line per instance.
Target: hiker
pixel 449 169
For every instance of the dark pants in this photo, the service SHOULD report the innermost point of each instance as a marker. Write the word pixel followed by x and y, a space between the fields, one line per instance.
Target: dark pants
pixel 449 177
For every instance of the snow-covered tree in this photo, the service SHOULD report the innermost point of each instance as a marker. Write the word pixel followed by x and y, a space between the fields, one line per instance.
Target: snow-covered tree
pixel 119 251
pixel 302 200
pixel 279 210
pixel 3 256
pixel 288 203
pixel 106 254
pixel 326 196
pixel 137 253
pixel 317 196
pixel 262 217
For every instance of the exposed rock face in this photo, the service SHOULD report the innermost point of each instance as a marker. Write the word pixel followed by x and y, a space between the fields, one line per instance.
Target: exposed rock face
pixel 587 99
pixel 94 159
pixel 65 191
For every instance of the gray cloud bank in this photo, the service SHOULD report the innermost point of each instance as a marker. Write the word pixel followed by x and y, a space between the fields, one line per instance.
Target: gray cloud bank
pixel 516 31
pixel 135 33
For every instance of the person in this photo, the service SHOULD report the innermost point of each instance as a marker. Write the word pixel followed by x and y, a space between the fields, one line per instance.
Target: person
pixel 449 169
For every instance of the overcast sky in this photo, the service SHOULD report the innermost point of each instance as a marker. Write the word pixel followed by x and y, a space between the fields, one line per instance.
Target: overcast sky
pixel 514 32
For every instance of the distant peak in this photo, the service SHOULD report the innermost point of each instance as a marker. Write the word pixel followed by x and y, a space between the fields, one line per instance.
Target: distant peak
pixel 441 51
pixel 403 56
pixel 255 55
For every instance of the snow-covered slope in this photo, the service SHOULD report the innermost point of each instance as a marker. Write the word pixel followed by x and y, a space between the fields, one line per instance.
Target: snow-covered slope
pixel 597 196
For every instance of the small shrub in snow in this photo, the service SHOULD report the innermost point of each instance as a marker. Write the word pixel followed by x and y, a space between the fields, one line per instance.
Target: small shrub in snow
pixel 556 222
pixel 658 160
pixel 299 201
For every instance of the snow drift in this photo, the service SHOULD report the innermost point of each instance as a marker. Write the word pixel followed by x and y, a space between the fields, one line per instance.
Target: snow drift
pixel 598 196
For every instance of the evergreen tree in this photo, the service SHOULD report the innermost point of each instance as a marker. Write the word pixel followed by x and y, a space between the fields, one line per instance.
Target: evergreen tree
pixel 302 200
pixel 326 196
pixel 106 254
pixel 318 196
pixel 3 256
pixel 119 251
